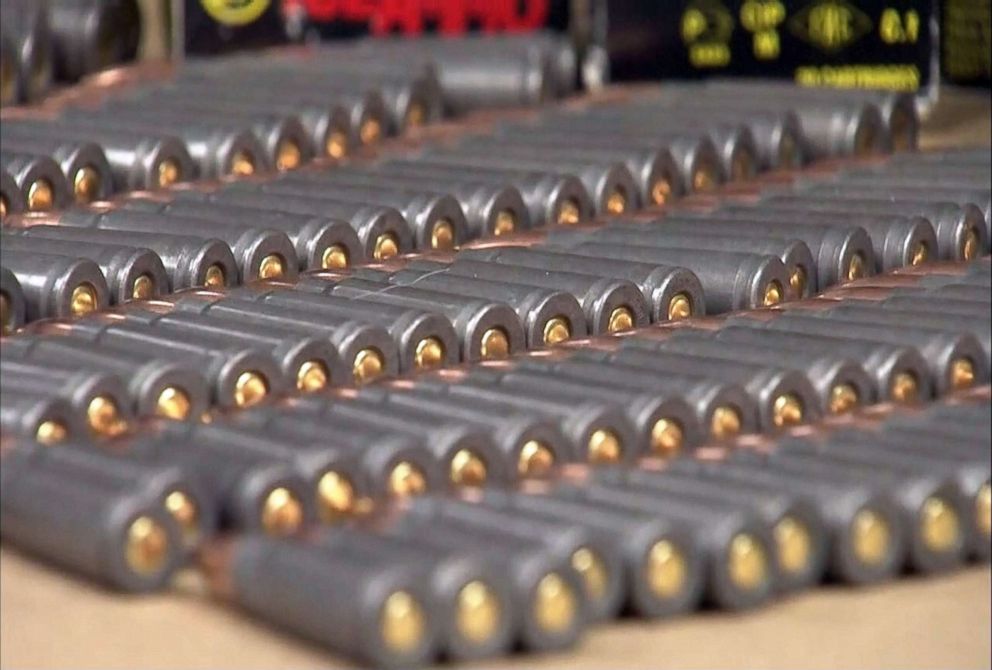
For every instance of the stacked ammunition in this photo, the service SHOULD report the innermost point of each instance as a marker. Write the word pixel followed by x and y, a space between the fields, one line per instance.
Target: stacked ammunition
pixel 46 40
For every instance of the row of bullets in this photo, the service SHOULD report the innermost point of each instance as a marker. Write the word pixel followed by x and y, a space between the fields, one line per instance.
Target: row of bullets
pixel 649 392
pixel 42 41
pixel 477 573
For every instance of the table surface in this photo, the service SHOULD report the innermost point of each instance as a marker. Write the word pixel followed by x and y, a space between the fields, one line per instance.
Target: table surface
pixel 49 620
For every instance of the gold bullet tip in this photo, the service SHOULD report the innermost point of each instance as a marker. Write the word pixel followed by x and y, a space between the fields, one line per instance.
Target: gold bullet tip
pixel 271 267
pixel 468 469
pixel 856 267
pixel 143 288
pixel 557 330
pixel 335 257
pixel 971 245
pixel 214 277
pixel 243 164
pixel 666 569
pixel 604 447
pixel 173 403
pixel 168 173
pixel 288 156
pixel 443 235
pixel 429 353
pixel 402 623
pixel 51 432
pixel 146 548
pixel 843 398
pixel 505 223
pixel 86 185
pixel 282 512
pixel 921 252
pixel 370 131
pixel 386 246
pixel 667 438
pixel 591 568
pixel 336 145
pixel 368 365
pixel 725 422
pixel 495 344
pixel 905 388
pixel 555 604
pixel 312 377
pixel 616 201
pixel 569 212
pixel 787 410
pixel 661 191
pixel 794 545
pixel 797 281
pixel 940 525
pixel 962 373
pixel 535 460
pixel 41 196
pixel 184 510
pixel 747 563
pixel 83 299
pixel 703 179
pixel 406 479
pixel 335 495
pixel 621 319
pixel 478 612
pixel 773 294
pixel 983 510
pixel 870 537
pixel 104 417
pixel 250 388
pixel 679 307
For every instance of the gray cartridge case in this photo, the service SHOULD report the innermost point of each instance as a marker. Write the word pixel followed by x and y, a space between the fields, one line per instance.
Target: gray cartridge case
pixel 368 349
pixel 784 396
pixel 117 536
pixel 261 253
pixel 56 286
pixel 531 444
pixel 941 348
pixel 13 312
pixel 383 230
pixel 44 418
pixel 665 423
pixel 487 329
pixel 425 339
pixel 40 179
pixel 289 584
pixel 890 365
pixel 83 163
pixel 795 254
pixel 610 305
pixel 672 292
pixel 548 316
pixel 155 387
pixel 730 280
pixel 11 197
pixel 841 383
pixel 599 432
pixel 240 376
pixel 26 26
pixel 320 243
pixel 189 260
pixel 552 197
pixel 842 252
pixel 714 402
pixel 133 273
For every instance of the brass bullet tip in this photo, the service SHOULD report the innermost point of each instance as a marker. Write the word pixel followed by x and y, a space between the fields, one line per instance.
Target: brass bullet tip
pixel 557 330
pixel 168 173
pixel 555 604
pixel 970 245
pixel 173 403
pixel 429 353
pixel 773 294
pixel 864 140
pixel 477 612
pixel 402 623
pixel 104 417
pixel 83 299
pixel 921 252
pixel 41 196
pixel 741 166
pixel 857 267
pixel 288 156
pixel 940 525
pixel 250 388
pixel 569 212
pixel 870 537
pixel 591 568
pixel 370 131
pixel 725 422
pixel 146 547
pixel 443 235
pixel 368 365
pixel 243 164
pixel 616 201
pixel 787 410
pixel 679 307
pixel 661 191
pixel 183 509
pixel 386 246
pixel 901 130
pixel 6 314
pixel 336 145
pixel 962 373
pixel 143 288
pixel 468 469
pixel 495 344
pixel 282 512
pixel 747 563
pixel 904 388
pixel 51 432
pixel 793 544
pixel 797 281
pixel 335 496
pixel 335 257
pixel 983 510
pixel 788 152
pixel 86 185
pixel 843 398
pixel 416 115
pixel 621 319
pixel 505 223
pixel 665 569
pixel 406 480
pixel 703 179
pixel 312 377
pixel 535 460
pixel 604 447
pixel 214 277
pixel 272 267
pixel 667 438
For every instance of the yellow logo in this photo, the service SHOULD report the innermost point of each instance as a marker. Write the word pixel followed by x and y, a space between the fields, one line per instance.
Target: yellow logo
pixel 235 12
pixel 830 25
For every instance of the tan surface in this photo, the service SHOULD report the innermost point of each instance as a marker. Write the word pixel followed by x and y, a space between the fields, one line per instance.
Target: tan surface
pixel 48 620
